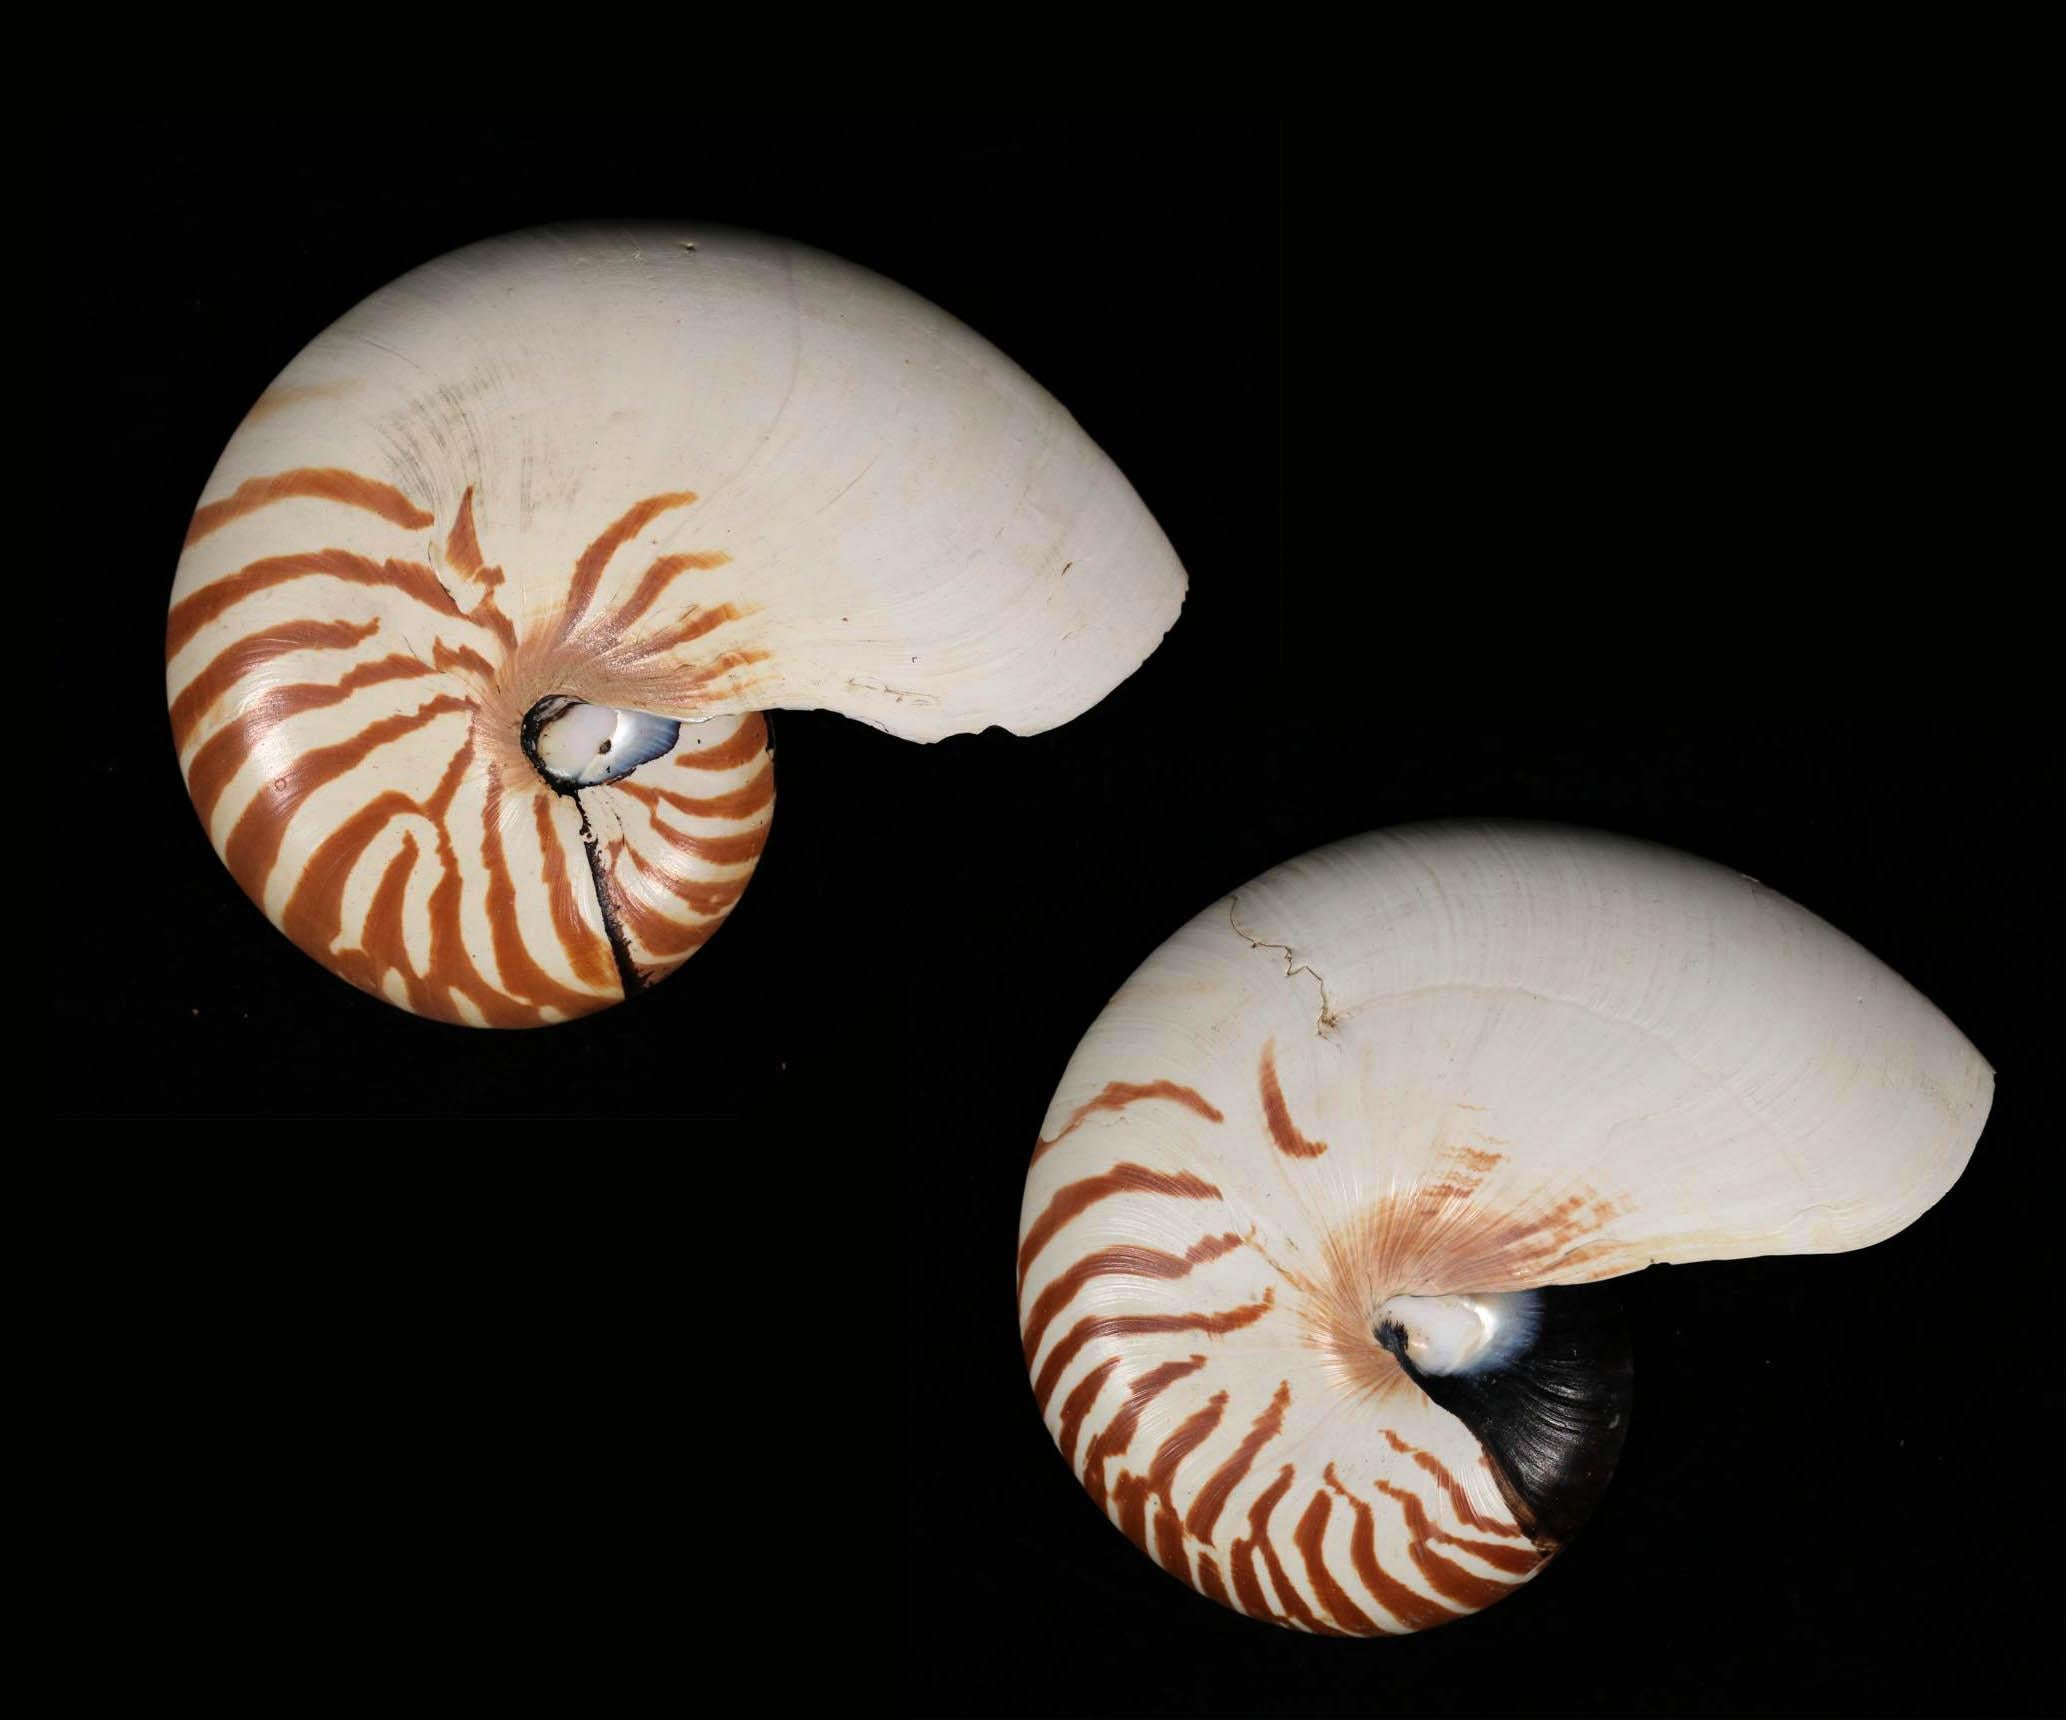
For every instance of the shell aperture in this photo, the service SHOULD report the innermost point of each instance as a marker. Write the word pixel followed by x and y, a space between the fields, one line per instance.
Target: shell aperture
pixel 1460 1334
pixel 476 623
pixel 575 745
pixel 1313 1241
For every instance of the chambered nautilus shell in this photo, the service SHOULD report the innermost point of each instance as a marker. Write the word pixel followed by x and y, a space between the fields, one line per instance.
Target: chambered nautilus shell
pixel 476 619
pixel 1307 1267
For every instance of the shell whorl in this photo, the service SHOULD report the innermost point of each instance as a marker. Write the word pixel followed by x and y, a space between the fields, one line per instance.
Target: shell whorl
pixel 350 725
pixel 1440 1075
pixel 685 480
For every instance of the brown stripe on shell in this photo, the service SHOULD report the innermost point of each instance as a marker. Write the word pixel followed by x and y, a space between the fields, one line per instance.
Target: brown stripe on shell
pixel 588 569
pixel 658 577
pixel 1277 1115
pixel 1459 1500
pixel 1119 1094
pixel 1117 1434
pixel 313 913
pixel 223 755
pixel 711 850
pixel 1195 1429
pixel 1121 1262
pixel 678 866
pixel 1170 1552
pixel 588 951
pixel 1212 1497
pixel 712 896
pixel 327 483
pixel 463 547
pixel 1073 1198
pixel 1257 1542
pixel 1077 1405
pixel 1310 1538
pixel 664 938
pixel 1411 1608
pixel 1445 1576
pixel 742 802
pixel 191 613
pixel 692 626
pixel 1093 1327
pixel 750 741
pixel 254 844
pixel 521 974
pixel 233 662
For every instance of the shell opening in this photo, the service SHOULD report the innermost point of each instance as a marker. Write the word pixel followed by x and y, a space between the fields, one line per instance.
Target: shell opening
pixel 575 745
pixel 1463 1334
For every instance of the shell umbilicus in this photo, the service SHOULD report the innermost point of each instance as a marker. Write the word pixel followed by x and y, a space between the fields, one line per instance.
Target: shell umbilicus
pixel 1310 1253
pixel 474 625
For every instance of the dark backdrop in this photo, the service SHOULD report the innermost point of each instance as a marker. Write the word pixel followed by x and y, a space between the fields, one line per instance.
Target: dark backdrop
pixel 608 1343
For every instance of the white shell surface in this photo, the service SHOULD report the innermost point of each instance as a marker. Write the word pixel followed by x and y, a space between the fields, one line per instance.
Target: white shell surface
pixel 675 469
pixel 1435 1061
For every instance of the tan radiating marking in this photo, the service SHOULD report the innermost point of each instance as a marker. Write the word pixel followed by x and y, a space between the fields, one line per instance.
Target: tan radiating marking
pixel 328 483
pixel 1120 1094
pixel 1431 1240
pixel 1277 1115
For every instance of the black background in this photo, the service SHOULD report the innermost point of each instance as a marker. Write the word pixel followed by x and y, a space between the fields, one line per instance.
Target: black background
pixel 695 1317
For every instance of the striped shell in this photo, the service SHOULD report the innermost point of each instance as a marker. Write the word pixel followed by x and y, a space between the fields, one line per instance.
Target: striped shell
pixel 688 474
pixel 1437 1061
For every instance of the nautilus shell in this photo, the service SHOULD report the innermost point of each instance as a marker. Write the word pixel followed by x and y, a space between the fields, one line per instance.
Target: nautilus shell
pixel 1308 1267
pixel 476 619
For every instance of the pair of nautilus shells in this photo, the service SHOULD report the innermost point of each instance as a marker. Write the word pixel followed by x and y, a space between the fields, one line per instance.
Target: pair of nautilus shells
pixel 467 656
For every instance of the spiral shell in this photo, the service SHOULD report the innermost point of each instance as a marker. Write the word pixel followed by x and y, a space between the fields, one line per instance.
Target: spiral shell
pixel 1302 1235
pixel 474 625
